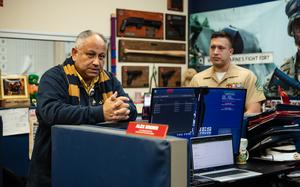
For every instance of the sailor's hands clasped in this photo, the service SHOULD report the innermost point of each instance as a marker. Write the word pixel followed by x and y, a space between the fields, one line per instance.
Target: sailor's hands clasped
pixel 116 108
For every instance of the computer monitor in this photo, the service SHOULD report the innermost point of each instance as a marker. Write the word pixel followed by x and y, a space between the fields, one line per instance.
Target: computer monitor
pixel 200 111
pixel 176 107
pixel 223 113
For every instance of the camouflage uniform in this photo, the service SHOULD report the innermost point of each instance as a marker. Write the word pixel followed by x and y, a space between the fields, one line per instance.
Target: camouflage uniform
pixel 292 67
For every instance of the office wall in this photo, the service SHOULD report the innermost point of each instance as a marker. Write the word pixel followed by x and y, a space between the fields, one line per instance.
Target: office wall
pixel 69 17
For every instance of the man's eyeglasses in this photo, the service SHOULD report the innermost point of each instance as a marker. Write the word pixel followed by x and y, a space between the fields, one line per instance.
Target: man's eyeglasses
pixel 92 55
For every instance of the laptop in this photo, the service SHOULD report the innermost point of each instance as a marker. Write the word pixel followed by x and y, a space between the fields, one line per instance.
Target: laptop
pixel 212 158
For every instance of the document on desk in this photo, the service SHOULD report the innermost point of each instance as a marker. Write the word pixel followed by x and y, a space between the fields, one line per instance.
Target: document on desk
pixel 15 121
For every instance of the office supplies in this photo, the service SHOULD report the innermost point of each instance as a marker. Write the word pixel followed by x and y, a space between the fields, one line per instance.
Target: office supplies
pixel 147 129
pixel 213 158
pixel 272 128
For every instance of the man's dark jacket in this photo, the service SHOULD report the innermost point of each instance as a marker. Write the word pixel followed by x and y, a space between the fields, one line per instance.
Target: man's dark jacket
pixel 62 99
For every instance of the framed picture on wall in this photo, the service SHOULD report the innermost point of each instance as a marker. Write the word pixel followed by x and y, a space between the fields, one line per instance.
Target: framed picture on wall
pixel 14 87
pixel 169 76
pixel 175 27
pixel 175 5
pixel 135 76
pixel 139 24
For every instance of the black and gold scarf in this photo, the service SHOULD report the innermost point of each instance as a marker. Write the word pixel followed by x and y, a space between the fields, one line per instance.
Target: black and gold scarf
pixel 73 80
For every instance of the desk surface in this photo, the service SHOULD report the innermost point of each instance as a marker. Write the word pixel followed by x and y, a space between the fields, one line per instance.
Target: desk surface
pixel 269 167
pixel 270 171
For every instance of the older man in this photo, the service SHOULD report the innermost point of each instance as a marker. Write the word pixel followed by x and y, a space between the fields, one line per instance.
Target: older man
pixel 77 92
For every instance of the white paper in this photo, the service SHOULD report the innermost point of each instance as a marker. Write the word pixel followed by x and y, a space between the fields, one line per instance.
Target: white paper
pixel 33 125
pixel 15 121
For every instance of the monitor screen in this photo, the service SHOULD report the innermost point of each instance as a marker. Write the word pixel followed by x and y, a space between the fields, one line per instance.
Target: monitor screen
pixel 199 111
pixel 223 113
pixel 176 107
pixel 211 151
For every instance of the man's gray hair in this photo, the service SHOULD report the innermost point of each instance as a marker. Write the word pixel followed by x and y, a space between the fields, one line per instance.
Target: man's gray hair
pixel 85 34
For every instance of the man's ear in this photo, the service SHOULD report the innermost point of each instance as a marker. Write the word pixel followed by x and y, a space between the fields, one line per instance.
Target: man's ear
pixel 74 54
pixel 231 50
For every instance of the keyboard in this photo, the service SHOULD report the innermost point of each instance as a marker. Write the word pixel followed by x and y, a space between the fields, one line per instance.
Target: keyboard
pixel 200 181
pixel 224 173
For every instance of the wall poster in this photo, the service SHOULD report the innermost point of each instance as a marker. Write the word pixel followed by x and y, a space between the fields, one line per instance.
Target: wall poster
pixel 261 41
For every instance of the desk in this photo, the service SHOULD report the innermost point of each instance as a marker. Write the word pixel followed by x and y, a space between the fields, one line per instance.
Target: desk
pixel 269 177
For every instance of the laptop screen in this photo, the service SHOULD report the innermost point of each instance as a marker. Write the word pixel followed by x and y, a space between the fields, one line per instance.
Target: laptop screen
pixel 223 113
pixel 211 151
pixel 176 107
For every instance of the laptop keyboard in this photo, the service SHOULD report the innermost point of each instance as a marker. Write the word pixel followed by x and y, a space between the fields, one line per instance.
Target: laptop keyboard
pixel 224 173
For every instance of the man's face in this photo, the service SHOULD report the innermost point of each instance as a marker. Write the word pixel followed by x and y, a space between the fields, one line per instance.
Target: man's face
pixel 296 31
pixel 220 52
pixel 89 57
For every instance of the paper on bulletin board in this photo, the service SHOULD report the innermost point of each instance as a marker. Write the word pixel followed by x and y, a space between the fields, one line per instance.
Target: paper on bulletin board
pixel 33 125
pixel 15 121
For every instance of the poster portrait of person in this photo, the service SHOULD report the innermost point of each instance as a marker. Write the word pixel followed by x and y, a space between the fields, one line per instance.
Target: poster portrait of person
pixel 291 65
pixel 261 42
